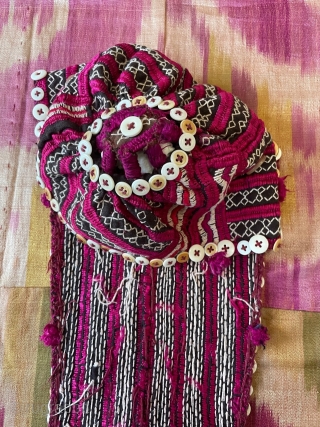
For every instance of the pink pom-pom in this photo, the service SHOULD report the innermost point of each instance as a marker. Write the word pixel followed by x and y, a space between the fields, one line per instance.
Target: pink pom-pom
pixel 282 188
pixel 218 262
pixel 258 335
pixel 45 201
pixel 50 335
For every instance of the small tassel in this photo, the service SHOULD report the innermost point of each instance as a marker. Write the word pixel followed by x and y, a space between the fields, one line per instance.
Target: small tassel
pixel 45 201
pixel 258 335
pixel 218 262
pixel 282 189
pixel 50 335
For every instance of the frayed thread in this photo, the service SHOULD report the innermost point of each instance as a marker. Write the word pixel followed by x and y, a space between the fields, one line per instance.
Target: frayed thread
pixel 218 263
pixel 258 335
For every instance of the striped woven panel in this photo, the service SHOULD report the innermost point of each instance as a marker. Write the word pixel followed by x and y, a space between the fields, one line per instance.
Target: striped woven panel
pixel 171 350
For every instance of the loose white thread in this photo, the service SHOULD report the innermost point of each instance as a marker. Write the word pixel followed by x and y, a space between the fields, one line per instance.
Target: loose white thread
pixel 77 401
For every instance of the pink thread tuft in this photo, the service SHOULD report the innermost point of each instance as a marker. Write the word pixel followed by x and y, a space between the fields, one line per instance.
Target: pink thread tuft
pixel 156 157
pixel 258 335
pixel 50 335
pixel 45 201
pixel 171 132
pixel 282 188
pixel 218 262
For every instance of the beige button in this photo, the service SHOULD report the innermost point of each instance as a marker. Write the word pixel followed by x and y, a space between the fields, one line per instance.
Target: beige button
pixel 251 390
pixel 179 158
pixel 128 257
pixel 167 104
pixel 169 262
pixel 108 113
pixel 87 136
pixel 277 244
pixel 123 190
pixel 155 263
pixel 276 147
pixel 210 249
pixel 61 218
pixel 157 182
pixel 47 194
pixel 262 282
pixel 187 126
pixel 248 410
pixel 139 100
pixel 255 366
pixel 279 154
pixel 105 248
pixel 183 257
pixel 81 239
pixel 55 205
pixel 94 173
pixel 278 172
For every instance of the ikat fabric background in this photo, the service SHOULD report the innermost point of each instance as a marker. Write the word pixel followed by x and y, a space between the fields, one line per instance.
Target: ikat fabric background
pixel 267 53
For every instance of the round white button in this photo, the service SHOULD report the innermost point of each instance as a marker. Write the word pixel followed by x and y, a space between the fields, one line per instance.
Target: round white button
pixel 128 257
pixel 84 147
pixel 139 100
pixel 37 94
pixel 125 103
pixel 40 182
pixel 243 247
pixel 87 136
pixel 187 142
pixel 170 171
pixel 115 252
pixel 106 182
pixel 169 262
pixel 94 173
pixel 140 187
pixel 96 126
pixel 141 260
pixel 210 249
pixel 131 126
pixel 37 129
pixel 93 245
pixel 86 162
pixel 55 205
pixel 227 247
pixel 248 410
pixel 157 182
pixel 40 111
pixel 123 190
pixel 255 366
pixel 251 390
pixel 154 101
pixel 179 158
pixel 178 114
pixel 107 113
pixel 167 104
pixel 38 75
pixel 258 244
pixel 196 253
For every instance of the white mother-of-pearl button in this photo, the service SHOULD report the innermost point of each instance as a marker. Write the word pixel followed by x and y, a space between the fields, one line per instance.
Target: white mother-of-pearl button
pixel 115 252
pixel 123 190
pixel 196 253
pixel 178 114
pixel 187 142
pixel 37 129
pixel 131 126
pixel 38 74
pixel 154 101
pixel 169 262
pixel 40 182
pixel 55 205
pixel 140 187
pixel 96 126
pixel 125 103
pixel 170 171
pixel 167 104
pixel 37 94
pixel 93 245
pixel 106 182
pixel 40 111
pixel 227 247
pixel 179 158
pixel 210 249
pixel 243 247
pixel 141 260
pixel 94 173
pixel 128 257
pixel 84 147
pixel 251 390
pixel 86 162
pixel 258 244
pixel 157 182
pixel 108 113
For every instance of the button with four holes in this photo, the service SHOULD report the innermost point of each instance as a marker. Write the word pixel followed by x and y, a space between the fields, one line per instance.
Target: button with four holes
pixel 141 260
pixel 37 94
pixel 123 190
pixel 187 142
pixel 196 253
pixel 96 126
pixel 93 245
pixel 178 114
pixel 139 100
pixel 40 111
pixel 243 247
pixel 131 126
pixel 227 247
pixel 166 104
pixel 55 205
pixel 154 101
pixel 108 113
pixel 258 244
pixel 179 158
pixel 210 249
pixel 183 257
pixel 38 75
pixel 86 162
pixel 84 147
pixel 169 262
pixel 38 128
pixel 94 173
pixel 187 126
pixel 157 182
pixel 106 182
pixel 122 105
pixel 140 187
pixel 155 263
pixel 170 171
pixel 128 257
